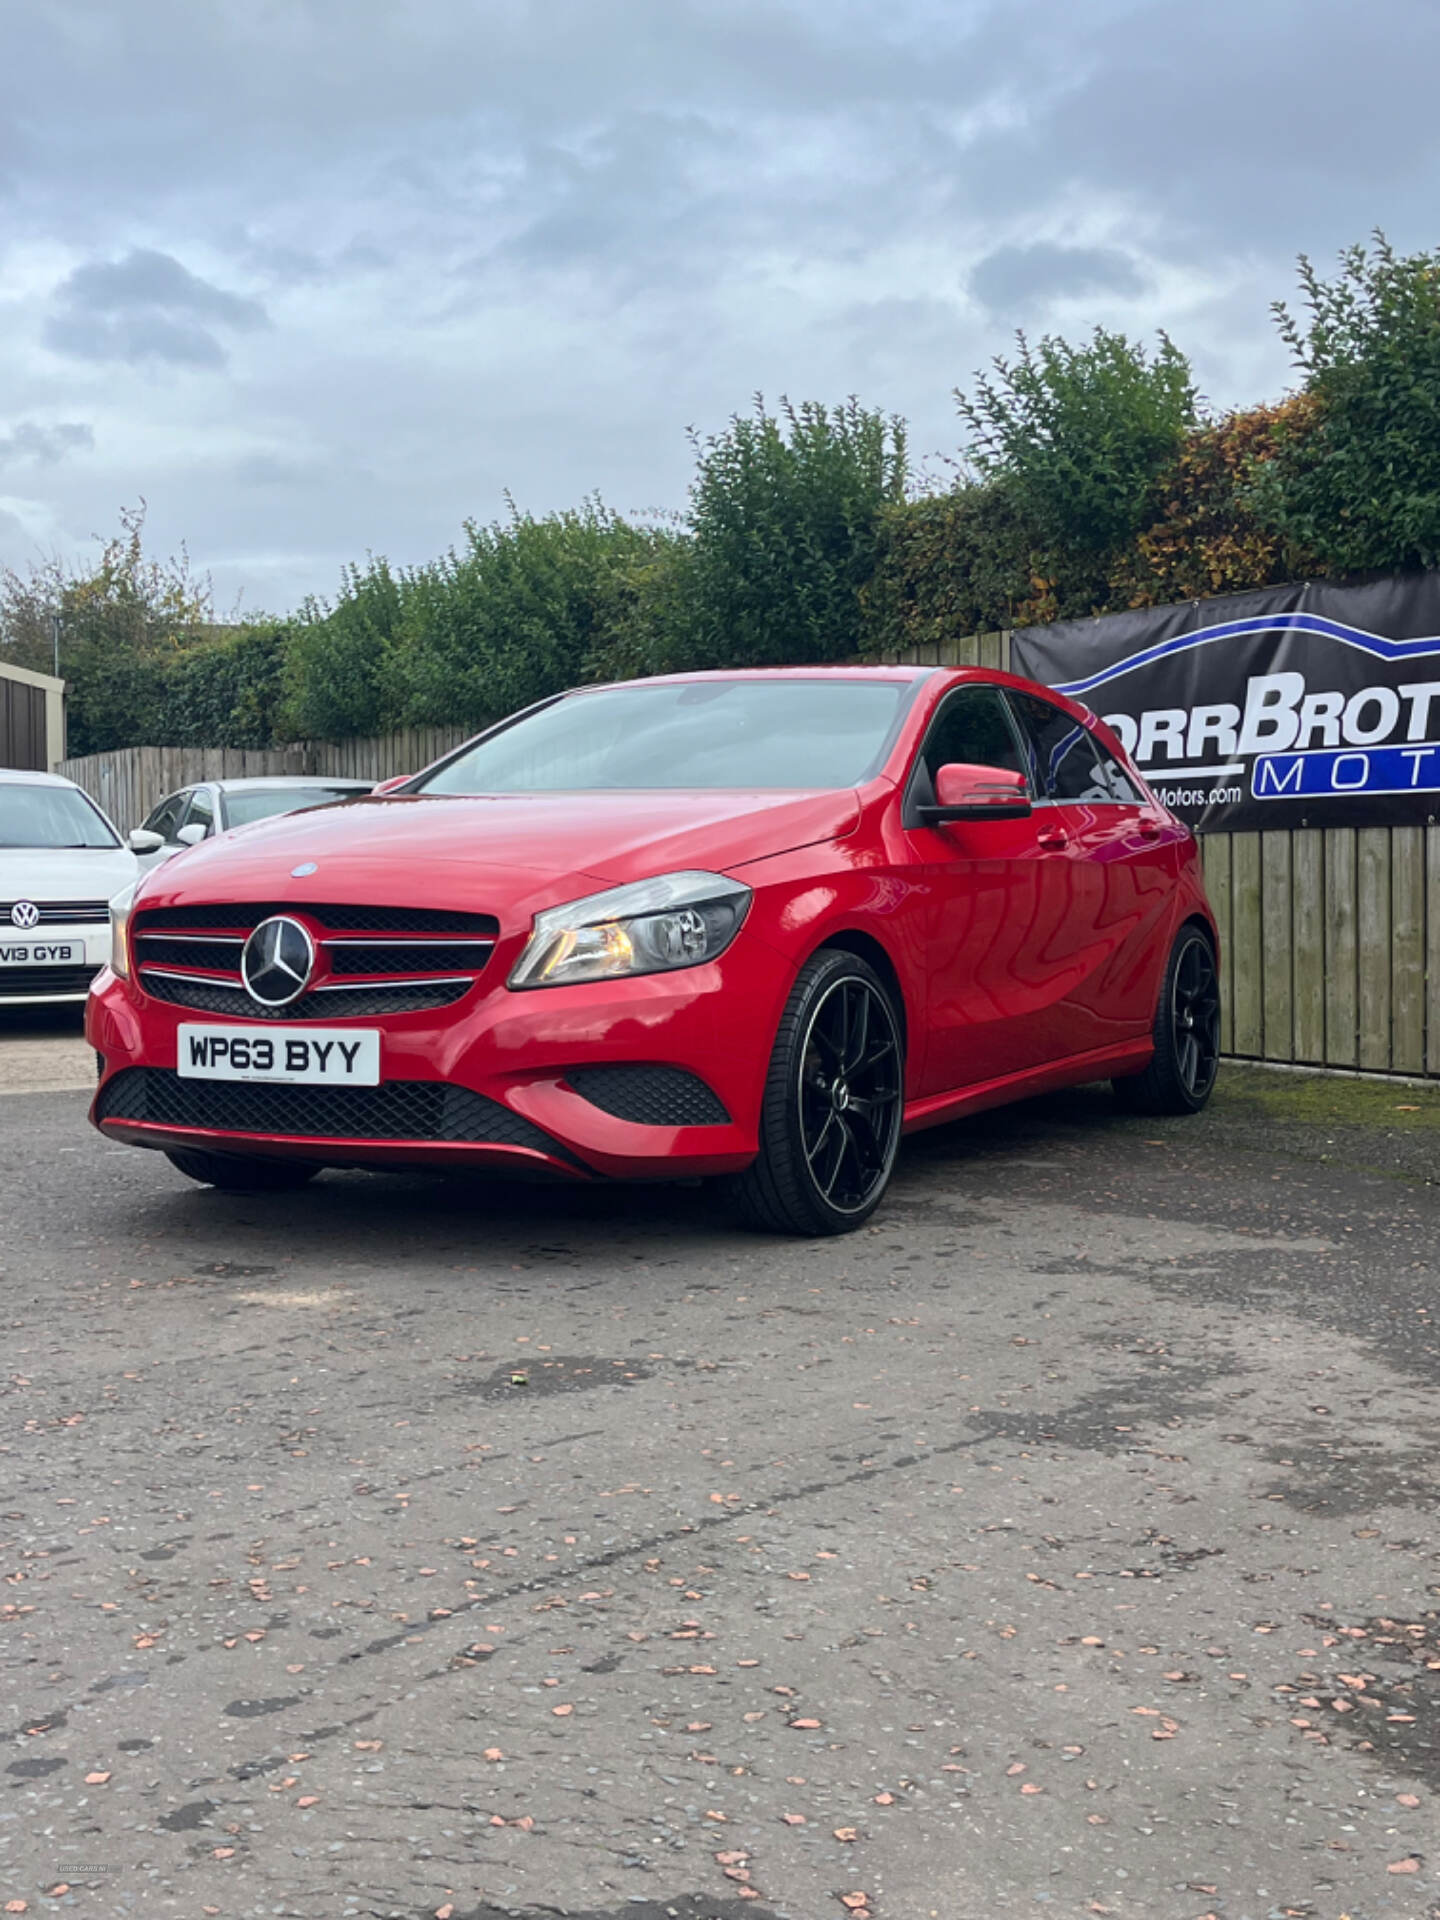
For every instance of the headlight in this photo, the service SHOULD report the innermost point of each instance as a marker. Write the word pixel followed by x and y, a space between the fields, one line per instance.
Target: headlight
pixel 120 908
pixel 676 920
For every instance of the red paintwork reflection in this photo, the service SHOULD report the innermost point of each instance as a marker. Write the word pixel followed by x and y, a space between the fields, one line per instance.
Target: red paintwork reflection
pixel 1027 953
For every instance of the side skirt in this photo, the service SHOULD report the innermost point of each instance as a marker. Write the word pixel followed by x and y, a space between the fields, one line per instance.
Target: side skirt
pixel 936 1108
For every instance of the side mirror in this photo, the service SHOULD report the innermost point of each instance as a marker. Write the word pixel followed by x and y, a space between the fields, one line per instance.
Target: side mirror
pixel 395 780
pixel 977 793
pixel 142 840
pixel 192 835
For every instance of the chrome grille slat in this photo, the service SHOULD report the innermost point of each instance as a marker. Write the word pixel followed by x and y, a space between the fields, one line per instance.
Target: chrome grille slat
pixel 204 979
pixel 371 985
pixel 63 913
pixel 198 939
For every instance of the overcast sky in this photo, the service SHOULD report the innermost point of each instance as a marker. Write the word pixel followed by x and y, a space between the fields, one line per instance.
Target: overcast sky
pixel 317 277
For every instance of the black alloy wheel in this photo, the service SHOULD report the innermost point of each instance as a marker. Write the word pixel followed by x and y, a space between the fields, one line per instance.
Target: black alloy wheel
pixel 834 1102
pixel 1181 1076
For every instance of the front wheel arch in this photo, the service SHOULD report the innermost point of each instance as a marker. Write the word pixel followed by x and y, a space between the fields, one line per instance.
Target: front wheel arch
pixel 864 946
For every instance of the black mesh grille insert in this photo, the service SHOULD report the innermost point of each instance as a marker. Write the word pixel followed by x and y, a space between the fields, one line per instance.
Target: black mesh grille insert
pixel 398 1110
pixel 333 919
pixel 152 951
pixel 342 1003
pixel 653 1096
pixel 21 980
pixel 189 919
pixel 403 920
pixel 350 958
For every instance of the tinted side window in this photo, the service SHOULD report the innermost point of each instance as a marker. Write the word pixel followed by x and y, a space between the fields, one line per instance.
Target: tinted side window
pixel 971 729
pixel 165 820
pixel 1063 764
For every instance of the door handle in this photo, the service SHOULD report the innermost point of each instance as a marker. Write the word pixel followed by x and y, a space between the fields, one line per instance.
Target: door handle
pixel 1053 838
pixel 1150 829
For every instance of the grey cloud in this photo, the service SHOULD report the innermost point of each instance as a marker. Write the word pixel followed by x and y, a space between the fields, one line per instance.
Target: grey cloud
pixel 277 470
pixel 43 446
pixel 1017 280
pixel 146 306
pixel 1288 124
pixel 520 243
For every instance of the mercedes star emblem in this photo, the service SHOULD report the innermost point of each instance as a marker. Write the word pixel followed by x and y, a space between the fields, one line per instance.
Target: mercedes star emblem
pixel 25 915
pixel 277 962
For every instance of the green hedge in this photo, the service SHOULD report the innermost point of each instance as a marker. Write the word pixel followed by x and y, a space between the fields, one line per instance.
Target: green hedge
pixel 1092 481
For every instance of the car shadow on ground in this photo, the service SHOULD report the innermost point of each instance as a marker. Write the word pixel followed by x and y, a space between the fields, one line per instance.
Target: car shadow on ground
pixel 1389 1127
pixel 404 1205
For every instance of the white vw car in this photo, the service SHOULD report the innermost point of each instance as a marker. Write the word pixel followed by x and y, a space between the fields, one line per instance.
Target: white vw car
pixel 61 863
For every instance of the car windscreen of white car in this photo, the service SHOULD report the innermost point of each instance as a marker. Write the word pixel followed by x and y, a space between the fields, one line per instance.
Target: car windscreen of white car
pixel 44 816
pixel 244 809
pixel 704 735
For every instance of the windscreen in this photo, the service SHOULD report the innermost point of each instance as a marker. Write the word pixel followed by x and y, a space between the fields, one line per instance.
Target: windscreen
pixel 244 809
pixel 36 816
pixel 699 734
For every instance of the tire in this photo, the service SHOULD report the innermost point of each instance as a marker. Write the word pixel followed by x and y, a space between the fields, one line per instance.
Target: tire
pixel 834 1101
pixel 1181 1076
pixel 239 1173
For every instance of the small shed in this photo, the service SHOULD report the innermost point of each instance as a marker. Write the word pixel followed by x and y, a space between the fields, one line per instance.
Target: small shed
pixel 32 719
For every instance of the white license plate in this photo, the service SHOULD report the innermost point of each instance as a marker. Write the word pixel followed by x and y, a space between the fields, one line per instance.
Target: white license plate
pixel 57 953
pixel 297 1056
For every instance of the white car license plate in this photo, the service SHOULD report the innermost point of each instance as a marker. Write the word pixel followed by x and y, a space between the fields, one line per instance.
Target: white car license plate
pixel 297 1056
pixel 57 953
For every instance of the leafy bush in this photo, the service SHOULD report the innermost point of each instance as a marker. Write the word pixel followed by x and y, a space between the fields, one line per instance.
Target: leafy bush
pixel 1079 434
pixel 1092 484
pixel 784 530
pixel 527 608
pixel 225 693
pixel 337 666
pixel 1356 478
pixel 1207 537
pixel 124 621
pixel 948 565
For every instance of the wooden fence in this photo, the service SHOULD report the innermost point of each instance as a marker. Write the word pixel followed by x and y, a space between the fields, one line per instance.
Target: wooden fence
pixel 1332 945
pixel 1331 938
pixel 130 781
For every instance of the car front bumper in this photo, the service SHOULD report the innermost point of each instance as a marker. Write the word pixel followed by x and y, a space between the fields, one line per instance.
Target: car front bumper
pixel 672 1068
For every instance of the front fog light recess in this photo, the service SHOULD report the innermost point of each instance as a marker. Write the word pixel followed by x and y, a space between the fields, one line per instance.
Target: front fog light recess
pixel 654 926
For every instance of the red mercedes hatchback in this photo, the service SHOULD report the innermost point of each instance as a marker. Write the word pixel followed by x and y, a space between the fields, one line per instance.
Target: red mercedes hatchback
pixel 748 925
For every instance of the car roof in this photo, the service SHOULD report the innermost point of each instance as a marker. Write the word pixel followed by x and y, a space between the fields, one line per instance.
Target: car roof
pixel 23 777
pixel 857 671
pixel 259 783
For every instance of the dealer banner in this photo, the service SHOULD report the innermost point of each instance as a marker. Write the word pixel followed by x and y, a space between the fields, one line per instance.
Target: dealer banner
pixel 1304 706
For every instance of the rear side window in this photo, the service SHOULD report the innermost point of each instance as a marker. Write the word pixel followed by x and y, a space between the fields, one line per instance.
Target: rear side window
pixel 971 729
pixel 1062 762
pixel 1116 781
